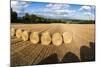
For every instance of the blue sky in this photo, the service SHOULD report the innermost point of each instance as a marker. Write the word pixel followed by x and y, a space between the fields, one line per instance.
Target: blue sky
pixel 54 10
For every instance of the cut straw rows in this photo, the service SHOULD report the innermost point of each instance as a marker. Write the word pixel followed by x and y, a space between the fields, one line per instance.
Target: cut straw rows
pixel 45 38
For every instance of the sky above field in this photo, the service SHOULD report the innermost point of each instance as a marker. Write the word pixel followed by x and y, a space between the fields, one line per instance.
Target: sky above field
pixel 54 10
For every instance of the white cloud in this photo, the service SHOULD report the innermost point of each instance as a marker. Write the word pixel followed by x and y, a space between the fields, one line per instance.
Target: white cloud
pixel 87 13
pixel 55 10
pixel 19 6
pixel 49 5
pixel 57 6
pixel 65 11
pixel 85 8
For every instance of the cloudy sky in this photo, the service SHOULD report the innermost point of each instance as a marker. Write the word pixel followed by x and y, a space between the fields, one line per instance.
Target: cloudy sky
pixel 54 10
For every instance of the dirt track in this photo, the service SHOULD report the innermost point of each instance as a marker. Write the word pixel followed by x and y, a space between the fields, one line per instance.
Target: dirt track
pixel 26 53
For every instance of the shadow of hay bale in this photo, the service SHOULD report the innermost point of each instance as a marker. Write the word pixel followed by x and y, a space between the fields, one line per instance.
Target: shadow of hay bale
pixel 69 58
pixel 52 59
pixel 87 54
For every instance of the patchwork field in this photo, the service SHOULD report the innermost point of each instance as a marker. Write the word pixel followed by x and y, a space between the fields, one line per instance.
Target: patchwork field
pixel 81 47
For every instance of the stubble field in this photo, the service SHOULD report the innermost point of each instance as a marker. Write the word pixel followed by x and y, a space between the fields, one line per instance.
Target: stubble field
pixel 81 48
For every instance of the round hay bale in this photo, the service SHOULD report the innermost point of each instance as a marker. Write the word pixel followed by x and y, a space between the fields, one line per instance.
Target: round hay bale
pixel 18 33
pixel 25 35
pixel 34 37
pixel 13 31
pixel 67 37
pixel 57 39
pixel 45 38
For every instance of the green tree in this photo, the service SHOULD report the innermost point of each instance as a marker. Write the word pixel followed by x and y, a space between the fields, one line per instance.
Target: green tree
pixel 13 16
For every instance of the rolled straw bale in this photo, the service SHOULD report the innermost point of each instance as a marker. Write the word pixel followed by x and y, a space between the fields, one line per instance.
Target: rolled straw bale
pixel 45 38
pixel 13 31
pixel 25 35
pixel 57 39
pixel 18 33
pixel 34 37
pixel 67 37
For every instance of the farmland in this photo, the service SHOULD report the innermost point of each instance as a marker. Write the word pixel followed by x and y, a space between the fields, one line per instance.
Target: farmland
pixel 27 53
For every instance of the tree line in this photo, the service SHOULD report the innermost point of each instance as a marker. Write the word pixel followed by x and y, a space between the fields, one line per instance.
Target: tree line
pixel 27 18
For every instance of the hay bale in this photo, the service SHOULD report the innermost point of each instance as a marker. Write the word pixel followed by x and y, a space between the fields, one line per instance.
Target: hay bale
pixel 67 37
pixel 13 31
pixel 45 38
pixel 25 35
pixel 57 39
pixel 34 37
pixel 18 33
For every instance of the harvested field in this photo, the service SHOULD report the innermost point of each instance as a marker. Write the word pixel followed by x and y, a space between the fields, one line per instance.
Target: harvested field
pixel 78 46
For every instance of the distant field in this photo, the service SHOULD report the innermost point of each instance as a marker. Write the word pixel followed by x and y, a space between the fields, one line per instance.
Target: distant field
pixel 26 53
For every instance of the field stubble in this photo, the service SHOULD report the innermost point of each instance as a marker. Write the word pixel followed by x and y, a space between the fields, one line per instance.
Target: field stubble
pixel 26 53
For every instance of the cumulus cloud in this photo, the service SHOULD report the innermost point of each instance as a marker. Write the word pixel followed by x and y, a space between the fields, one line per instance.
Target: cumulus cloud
pixel 19 6
pixel 57 6
pixel 64 11
pixel 56 10
pixel 85 8
pixel 49 5
pixel 89 14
